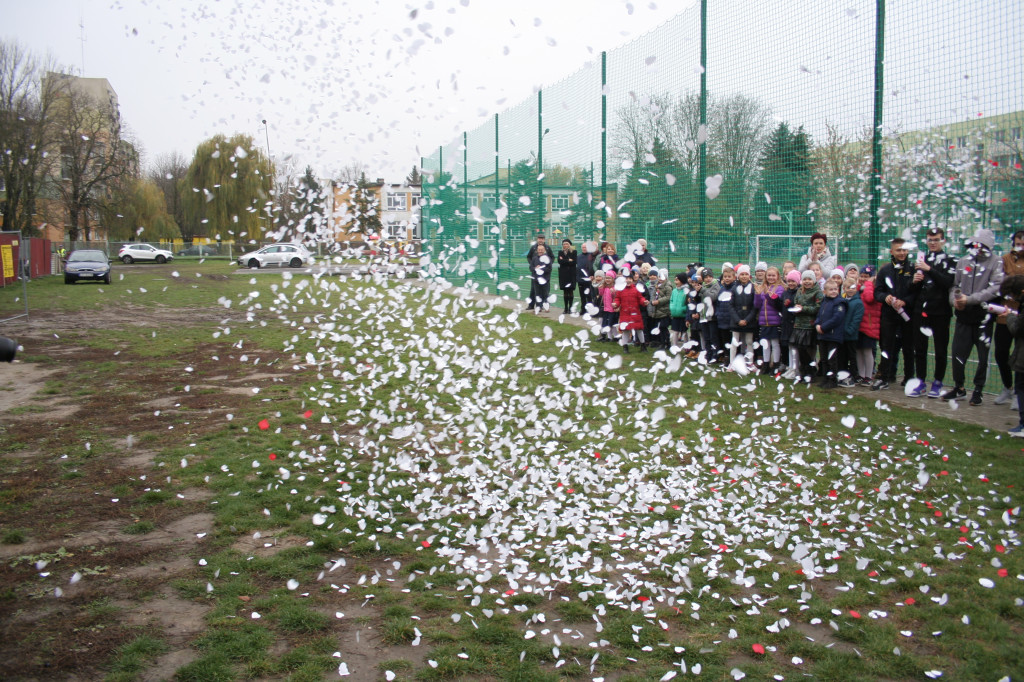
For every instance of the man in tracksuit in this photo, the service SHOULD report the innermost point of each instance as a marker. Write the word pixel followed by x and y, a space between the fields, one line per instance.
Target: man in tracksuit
pixel 933 279
pixel 893 291
pixel 978 277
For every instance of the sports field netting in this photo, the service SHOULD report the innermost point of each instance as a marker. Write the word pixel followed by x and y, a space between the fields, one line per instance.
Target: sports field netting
pixel 785 136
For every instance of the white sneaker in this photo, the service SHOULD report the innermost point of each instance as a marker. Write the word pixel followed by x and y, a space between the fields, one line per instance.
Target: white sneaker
pixel 1013 403
pixel 1004 397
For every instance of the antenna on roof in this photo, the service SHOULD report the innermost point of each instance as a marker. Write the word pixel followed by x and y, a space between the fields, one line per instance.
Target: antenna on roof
pixel 81 38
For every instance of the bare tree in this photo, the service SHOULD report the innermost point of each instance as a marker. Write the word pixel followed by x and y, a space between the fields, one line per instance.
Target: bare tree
pixel 25 105
pixel 351 172
pixel 167 174
pixel 90 153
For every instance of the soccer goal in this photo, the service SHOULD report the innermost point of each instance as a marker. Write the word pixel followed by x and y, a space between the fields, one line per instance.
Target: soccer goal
pixel 773 249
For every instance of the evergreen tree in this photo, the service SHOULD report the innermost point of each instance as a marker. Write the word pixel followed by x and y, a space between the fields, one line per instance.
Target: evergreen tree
pixel 414 178
pixel 788 185
pixel 654 200
pixel 366 209
pixel 309 204
pixel 523 220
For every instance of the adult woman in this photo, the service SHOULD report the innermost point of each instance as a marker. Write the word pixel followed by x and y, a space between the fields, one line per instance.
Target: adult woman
pixel 567 274
pixel 608 260
pixel 818 253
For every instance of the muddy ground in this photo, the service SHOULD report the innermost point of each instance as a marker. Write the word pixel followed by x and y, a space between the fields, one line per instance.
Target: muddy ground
pixel 75 468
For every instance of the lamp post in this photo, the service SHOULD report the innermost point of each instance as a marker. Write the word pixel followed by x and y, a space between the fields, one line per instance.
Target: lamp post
pixel 266 131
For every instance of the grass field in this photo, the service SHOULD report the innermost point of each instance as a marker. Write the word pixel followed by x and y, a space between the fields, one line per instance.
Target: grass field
pixel 440 488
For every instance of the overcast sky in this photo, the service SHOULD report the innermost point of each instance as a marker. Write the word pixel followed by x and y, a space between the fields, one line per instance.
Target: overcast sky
pixel 382 83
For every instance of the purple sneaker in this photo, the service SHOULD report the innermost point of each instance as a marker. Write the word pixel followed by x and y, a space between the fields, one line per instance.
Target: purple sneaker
pixel 936 389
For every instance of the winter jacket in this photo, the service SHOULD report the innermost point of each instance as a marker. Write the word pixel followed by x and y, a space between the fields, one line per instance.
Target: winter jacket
pixel 677 304
pixel 787 301
pixel 606 262
pixel 1013 264
pixel 709 301
pixel 931 295
pixel 832 319
pixel 768 306
pixel 871 322
pixel 629 301
pixel 607 297
pixel 894 279
pixel 743 307
pixel 723 305
pixel 641 257
pixel 826 259
pixel 540 268
pixel 810 303
pixel 854 315
pixel 567 269
pixel 663 293
pixel 978 277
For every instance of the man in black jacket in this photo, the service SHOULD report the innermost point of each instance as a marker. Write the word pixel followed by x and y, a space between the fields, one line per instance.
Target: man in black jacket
pixel 932 312
pixel 893 291
pixel 541 241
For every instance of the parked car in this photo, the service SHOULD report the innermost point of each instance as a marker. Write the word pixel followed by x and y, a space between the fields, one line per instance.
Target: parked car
pixel 281 255
pixel 130 253
pixel 200 250
pixel 88 265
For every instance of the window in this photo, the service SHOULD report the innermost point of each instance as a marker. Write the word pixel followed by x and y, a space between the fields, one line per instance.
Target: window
pixel 396 202
pixel 417 200
pixel 961 142
pixel 999 136
pixel 560 202
pixel 397 230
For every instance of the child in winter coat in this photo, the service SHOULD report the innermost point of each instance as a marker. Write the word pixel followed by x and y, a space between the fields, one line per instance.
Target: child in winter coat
pixel 723 307
pixel 708 309
pixel 767 304
pixel 870 326
pixel 605 284
pixel 806 303
pixel 851 329
pixel 830 325
pixel 677 309
pixel 660 295
pixel 744 316
pixel 786 317
pixel 629 303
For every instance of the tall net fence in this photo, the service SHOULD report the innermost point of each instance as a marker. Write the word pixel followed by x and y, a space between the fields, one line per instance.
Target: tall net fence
pixel 863 120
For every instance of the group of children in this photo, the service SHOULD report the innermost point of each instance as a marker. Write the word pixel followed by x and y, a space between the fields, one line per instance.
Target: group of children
pixel 773 321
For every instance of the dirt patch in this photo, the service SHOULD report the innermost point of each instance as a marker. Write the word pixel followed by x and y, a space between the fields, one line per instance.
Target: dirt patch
pixel 21 382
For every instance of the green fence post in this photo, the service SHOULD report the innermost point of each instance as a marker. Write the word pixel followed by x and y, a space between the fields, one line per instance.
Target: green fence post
pixel 702 198
pixel 604 135
pixel 875 230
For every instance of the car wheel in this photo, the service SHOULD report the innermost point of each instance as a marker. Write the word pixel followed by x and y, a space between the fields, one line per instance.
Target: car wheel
pixel 296 263
pixel 161 260
pixel 69 280
pixel 253 263
pixel 106 280
pixel 127 260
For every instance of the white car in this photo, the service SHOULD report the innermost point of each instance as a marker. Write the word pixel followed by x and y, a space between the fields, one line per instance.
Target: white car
pixel 130 253
pixel 281 255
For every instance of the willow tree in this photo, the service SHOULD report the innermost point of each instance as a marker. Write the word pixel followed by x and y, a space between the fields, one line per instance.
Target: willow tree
pixel 137 211
pixel 227 189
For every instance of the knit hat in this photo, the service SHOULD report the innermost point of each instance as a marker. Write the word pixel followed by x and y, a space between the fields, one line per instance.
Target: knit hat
pixel 761 266
pixel 867 270
pixel 852 266
pixel 705 272
pixel 727 265
pixel 808 274
pixel 742 268
pixel 838 272
pixel 793 276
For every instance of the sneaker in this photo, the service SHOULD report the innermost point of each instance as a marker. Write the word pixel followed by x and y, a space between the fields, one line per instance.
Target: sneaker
pixel 879 385
pixel 1017 432
pixel 865 382
pixel 976 398
pixel 954 394
pixel 919 391
pixel 1003 397
pixel 1013 404
pixel 847 383
pixel 936 389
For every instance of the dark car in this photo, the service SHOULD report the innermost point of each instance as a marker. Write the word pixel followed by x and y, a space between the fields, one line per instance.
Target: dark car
pixel 87 265
pixel 200 250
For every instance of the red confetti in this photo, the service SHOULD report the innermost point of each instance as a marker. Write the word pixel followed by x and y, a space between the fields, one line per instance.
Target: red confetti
pixel 509 593
pixel 264 425
pixel 642 598
pixel 307 414
pixel 833 493
pixel 724 548
pixel 909 601
pixel 758 649
pixel 854 614
pixel 873 574
pixel 425 543
pixel 963 529
pixel 1002 573
pixel 1000 549
pixel 272 456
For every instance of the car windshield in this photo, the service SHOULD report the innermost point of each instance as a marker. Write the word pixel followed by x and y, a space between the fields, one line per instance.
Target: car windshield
pixel 77 256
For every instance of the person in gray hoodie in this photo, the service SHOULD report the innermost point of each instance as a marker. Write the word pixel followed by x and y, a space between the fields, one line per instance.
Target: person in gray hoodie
pixel 976 284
